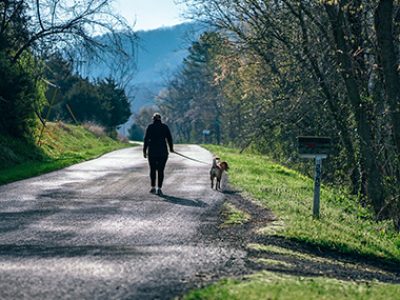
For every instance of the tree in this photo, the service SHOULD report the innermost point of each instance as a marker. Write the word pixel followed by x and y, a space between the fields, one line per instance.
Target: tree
pixel 316 68
pixel 21 96
pixel 114 103
pixel 136 133
pixel 193 99
pixel 84 101
pixel 55 24
pixel 20 89
pixel 31 32
pixel 384 17
pixel 354 87
pixel 145 116
pixel 102 102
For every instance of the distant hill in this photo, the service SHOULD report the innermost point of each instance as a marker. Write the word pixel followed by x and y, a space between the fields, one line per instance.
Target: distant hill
pixel 162 50
pixel 158 54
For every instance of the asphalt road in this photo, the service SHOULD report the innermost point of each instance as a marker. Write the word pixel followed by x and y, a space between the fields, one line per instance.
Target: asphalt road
pixel 93 231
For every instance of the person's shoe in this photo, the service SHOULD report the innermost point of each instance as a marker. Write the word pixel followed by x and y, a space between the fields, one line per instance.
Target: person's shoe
pixel 153 190
pixel 159 192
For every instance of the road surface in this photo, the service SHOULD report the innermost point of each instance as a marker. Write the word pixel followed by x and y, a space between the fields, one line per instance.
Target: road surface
pixel 93 231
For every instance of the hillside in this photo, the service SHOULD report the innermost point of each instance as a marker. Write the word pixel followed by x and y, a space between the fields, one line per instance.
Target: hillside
pixel 161 51
pixel 62 145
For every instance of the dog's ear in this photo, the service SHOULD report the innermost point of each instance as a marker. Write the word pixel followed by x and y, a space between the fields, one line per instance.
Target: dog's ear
pixel 225 165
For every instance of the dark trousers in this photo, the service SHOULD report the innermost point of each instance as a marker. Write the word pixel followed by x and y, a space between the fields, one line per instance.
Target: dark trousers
pixel 157 165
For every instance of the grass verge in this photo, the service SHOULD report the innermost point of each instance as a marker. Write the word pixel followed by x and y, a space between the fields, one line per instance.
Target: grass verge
pixel 344 227
pixel 233 216
pixel 62 146
pixel 267 285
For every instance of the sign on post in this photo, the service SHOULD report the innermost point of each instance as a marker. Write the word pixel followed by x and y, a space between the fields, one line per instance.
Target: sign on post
pixel 318 148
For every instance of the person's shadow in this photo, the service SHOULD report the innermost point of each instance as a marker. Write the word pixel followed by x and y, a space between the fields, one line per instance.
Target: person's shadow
pixel 184 201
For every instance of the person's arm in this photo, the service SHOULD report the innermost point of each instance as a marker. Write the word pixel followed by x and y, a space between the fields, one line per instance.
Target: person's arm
pixel 169 139
pixel 146 142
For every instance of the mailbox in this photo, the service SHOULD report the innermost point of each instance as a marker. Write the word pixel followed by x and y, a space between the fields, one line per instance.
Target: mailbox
pixel 318 148
pixel 312 146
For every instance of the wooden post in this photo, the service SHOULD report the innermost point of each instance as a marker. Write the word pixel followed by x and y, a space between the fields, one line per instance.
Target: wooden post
pixel 317 185
pixel 72 114
pixel 48 112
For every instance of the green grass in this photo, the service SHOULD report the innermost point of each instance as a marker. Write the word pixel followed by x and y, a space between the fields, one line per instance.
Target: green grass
pixel 266 285
pixel 344 227
pixel 233 215
pixel 62 146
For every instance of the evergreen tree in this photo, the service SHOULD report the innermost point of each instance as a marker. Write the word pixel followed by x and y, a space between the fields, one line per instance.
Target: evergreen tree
pixel 114 104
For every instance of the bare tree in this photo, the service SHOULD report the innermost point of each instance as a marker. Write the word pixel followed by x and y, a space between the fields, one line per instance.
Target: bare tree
pixel 51 25
pixel 326 71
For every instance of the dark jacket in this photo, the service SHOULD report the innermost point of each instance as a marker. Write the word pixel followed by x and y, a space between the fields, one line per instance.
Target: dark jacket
pixel 157 134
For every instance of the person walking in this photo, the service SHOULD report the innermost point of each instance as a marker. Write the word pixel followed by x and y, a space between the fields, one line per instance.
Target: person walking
pixel 155 149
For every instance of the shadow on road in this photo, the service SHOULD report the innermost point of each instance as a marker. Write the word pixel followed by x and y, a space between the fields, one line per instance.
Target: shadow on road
pixel 184 201
pixel 14 221
pixel 46 251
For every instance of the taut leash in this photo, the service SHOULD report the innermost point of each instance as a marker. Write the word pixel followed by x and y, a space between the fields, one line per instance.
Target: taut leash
pixel 187 157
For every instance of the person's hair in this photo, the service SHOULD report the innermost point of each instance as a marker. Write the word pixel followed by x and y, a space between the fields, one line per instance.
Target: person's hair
pixel 157 116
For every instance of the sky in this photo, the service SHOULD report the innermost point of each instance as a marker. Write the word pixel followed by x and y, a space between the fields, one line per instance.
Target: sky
pixel 150 14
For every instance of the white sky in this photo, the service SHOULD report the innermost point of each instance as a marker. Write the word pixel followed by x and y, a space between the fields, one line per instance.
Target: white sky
pixel 149 14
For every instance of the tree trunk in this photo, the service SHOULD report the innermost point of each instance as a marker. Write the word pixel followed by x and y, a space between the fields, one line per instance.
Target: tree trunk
pixel 387 54
pixel 333 105
pixel 368 159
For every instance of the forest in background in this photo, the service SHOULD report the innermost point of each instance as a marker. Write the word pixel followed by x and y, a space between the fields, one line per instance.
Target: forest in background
pixel 270 71
pixel 42 44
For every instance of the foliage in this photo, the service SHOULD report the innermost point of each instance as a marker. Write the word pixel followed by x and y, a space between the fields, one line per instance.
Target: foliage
pixel 103 102
pixel 14 151
pixel 30 34
pixel 192 100
pixel 136 133
pixel 272 71
pixel 114 103
pixel 75 99
pixel 48 26
pixel 20 96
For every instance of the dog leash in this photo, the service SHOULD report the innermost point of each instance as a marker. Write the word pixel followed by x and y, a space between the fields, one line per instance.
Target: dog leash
pixel 187 157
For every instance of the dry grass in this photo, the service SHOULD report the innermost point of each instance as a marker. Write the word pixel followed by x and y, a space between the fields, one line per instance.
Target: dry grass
pixel 97 130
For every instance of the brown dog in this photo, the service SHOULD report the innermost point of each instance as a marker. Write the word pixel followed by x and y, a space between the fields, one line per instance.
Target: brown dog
pixel 216 171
